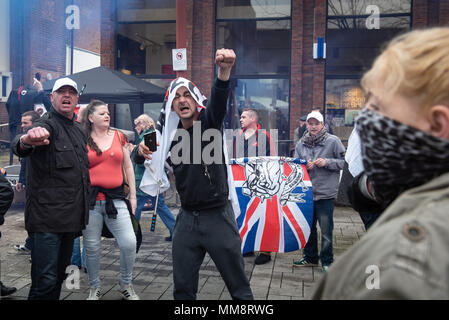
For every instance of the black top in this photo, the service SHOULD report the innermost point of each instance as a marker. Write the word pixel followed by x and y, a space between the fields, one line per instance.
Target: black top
pixel 6 197
pixel 22 100
pixel 203 185
pixel 257 145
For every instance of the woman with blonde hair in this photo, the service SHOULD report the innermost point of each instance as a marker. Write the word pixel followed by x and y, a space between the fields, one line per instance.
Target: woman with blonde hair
pixel 107 155
pixel 142 125
pixel 404 132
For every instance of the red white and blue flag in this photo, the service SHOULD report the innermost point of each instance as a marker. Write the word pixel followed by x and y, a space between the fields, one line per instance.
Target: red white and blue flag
pixel 276 203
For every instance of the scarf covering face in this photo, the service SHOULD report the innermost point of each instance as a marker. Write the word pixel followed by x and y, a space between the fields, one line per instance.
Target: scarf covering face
pixel 398 157
pixel 313 140
pixel 166 127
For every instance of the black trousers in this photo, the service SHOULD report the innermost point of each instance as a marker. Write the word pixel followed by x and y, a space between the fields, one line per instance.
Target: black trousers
pixel 215 232
pixel 50 256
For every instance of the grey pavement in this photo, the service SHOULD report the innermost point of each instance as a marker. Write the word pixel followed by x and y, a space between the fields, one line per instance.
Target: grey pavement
pixel 276 280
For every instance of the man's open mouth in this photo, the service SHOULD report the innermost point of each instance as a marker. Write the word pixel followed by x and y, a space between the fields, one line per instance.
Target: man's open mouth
pixel 66 102
pixel 183 108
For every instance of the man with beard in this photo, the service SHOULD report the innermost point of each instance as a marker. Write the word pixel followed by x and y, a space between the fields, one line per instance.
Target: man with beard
pixel 206 221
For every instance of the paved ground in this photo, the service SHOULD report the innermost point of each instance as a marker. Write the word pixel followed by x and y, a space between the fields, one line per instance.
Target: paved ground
pixel 276 280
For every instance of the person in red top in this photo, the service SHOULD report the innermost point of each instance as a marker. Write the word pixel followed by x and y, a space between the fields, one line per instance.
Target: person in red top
pixel 107 155
pixel 253 141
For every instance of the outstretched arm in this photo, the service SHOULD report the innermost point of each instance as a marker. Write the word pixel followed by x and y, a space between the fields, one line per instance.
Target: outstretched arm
pixel 22 145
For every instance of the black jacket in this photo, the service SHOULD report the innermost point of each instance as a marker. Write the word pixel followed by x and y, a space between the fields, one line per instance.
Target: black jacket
pixel 22 100
pixel 6 197
pixel 58 183
pixel 23 171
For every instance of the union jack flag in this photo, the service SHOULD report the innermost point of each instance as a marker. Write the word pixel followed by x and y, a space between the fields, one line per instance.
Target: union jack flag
pixel 276 203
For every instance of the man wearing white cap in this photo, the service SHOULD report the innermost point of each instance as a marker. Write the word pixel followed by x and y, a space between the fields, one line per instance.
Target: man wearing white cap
pixel 325 155
pixel 56 207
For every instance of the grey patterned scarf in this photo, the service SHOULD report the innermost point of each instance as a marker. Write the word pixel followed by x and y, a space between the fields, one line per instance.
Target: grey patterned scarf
pixel 313 140
pixel 398 157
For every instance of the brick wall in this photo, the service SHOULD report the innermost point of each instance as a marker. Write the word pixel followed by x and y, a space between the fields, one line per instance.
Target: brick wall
pixel 444 13
pixel 46 51
pixel 38 40
pixel 107 40
pixel 88 37
pixel 184 33
pixel 419 14
pixel 319 30
pixel 40 36
pixel 430 13
pixel 307 74
pixel 107 28
pixel 296 80
pixel 203 44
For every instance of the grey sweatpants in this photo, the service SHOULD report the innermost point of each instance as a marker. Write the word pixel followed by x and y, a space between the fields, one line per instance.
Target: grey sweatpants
pixel 215 232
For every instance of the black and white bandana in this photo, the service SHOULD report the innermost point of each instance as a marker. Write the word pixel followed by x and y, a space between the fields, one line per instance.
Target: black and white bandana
pixel 398 157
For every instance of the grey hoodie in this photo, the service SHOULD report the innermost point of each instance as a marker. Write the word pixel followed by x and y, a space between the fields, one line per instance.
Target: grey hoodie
pixel 325 180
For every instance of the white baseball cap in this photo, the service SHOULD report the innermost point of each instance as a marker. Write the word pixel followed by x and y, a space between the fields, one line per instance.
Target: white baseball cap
pixel 64 82
pixel 315 115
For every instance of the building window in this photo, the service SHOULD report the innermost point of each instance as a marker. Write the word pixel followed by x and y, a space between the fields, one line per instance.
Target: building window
pixel 260 34
pixel 146 48
pixel 244 9
pixel 263 47
pixel 146 10
pixel 146 35
pixel 356 33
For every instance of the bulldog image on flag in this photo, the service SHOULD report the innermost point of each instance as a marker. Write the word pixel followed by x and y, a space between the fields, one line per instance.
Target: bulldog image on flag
pixel 276 204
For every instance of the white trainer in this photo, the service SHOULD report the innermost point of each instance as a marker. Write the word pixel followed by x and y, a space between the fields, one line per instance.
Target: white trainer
pixel 128 293
pixel 94 294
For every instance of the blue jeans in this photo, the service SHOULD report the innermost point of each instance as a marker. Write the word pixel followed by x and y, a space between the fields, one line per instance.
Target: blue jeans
pixel 122 230
pixel 162 210
pixel 50 257
pixel 78 255
pixel 323 212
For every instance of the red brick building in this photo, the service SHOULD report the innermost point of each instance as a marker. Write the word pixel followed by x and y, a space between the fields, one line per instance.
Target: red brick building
pixel 276 71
